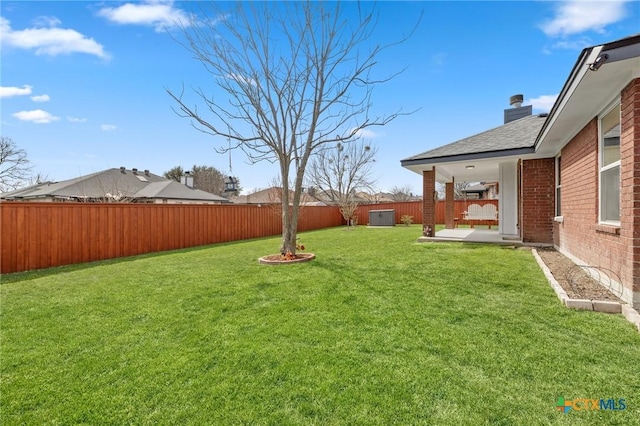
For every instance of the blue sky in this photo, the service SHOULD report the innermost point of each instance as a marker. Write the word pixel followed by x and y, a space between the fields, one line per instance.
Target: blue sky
pixel 83 83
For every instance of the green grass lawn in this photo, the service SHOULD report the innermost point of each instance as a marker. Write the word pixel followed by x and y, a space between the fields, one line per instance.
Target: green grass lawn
pixel 377 330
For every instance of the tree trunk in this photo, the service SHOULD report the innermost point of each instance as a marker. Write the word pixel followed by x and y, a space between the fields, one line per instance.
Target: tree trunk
pixel 289 232
pixel 291 210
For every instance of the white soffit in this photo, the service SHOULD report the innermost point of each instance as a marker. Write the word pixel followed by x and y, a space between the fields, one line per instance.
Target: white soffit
pixel 556 127
pixel 589 94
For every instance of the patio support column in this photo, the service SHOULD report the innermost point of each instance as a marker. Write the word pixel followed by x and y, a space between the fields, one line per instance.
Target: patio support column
pixel 448 207
pixel 429 196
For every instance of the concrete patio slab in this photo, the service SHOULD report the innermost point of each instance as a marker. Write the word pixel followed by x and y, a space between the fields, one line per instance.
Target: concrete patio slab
pixel 455 233
pixel 470 235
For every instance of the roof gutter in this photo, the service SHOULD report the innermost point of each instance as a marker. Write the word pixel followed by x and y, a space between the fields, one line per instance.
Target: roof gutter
pixel 619 50
pixel 587 57
pixel 622 49
pixel 467 157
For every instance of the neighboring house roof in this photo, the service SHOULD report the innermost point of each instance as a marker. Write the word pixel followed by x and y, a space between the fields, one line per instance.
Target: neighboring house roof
pixel 174 191
pixel 273 195
pixel 517 135
pixel 263 196
pixel 113 184
pixel 386 197
pixel 475 188
pixel 380 197
pixel 315 197
pixel 332 197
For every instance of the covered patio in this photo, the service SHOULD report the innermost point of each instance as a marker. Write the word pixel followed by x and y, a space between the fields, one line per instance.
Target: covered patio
pixel 495 155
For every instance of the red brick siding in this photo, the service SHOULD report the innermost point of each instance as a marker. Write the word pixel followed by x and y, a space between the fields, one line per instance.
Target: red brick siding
pixel 630 177
pixel 448 208
pixel 538 200
pixel 579 234
pixel 428 203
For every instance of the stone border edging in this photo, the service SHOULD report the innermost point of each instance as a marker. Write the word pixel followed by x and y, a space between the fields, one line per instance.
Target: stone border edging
pixel 627 311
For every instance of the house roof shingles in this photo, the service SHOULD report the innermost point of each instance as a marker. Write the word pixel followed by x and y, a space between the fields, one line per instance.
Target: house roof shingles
pixel 517 134
pixel 273 195
pixel 116 183
pixel 174 190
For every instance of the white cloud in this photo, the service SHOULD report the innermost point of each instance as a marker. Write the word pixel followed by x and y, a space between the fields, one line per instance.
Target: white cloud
pixel 36 116
pixel 367 134
pixel 573 44
pixel 160 15
pixel 107 127
pixel 40 98
pixel 76 120
pixel 577 16
pixel 50 40
pixel 543 102
pixel 47 21
pixel 9 91
pixel 242 79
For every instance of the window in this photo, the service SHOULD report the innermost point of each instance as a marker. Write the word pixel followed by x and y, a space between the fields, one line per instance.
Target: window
pixel 609 127
pixel 558 186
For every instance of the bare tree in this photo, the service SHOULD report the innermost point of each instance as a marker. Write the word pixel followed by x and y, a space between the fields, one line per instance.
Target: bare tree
pixel 401 193
pixel 15 168
pixel 340 172
pixel 375 197
pixel 284 101
pixel 441 190
pixel 37 179
pixel 459 190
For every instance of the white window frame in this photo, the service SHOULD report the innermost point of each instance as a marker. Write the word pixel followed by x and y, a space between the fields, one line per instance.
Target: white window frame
pixel 558 179
pixel 601 168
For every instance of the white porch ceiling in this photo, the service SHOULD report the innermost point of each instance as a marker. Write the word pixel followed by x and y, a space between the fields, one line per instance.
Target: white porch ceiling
pixel 484 170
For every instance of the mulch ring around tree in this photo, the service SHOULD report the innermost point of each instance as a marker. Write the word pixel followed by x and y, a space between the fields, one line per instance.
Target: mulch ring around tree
pixel 278 259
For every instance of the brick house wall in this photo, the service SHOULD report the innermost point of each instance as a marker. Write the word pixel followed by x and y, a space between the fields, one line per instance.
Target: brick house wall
pixel 579 235
pixel 537 200
pixel 630 189
pixel 449 214
pixel 428 203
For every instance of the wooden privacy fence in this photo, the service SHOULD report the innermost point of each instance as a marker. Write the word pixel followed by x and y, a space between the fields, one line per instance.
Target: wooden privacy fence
pixel 37 235
pixel 414 208
pixel 42 235
pixel 460 206
pixel 411 208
